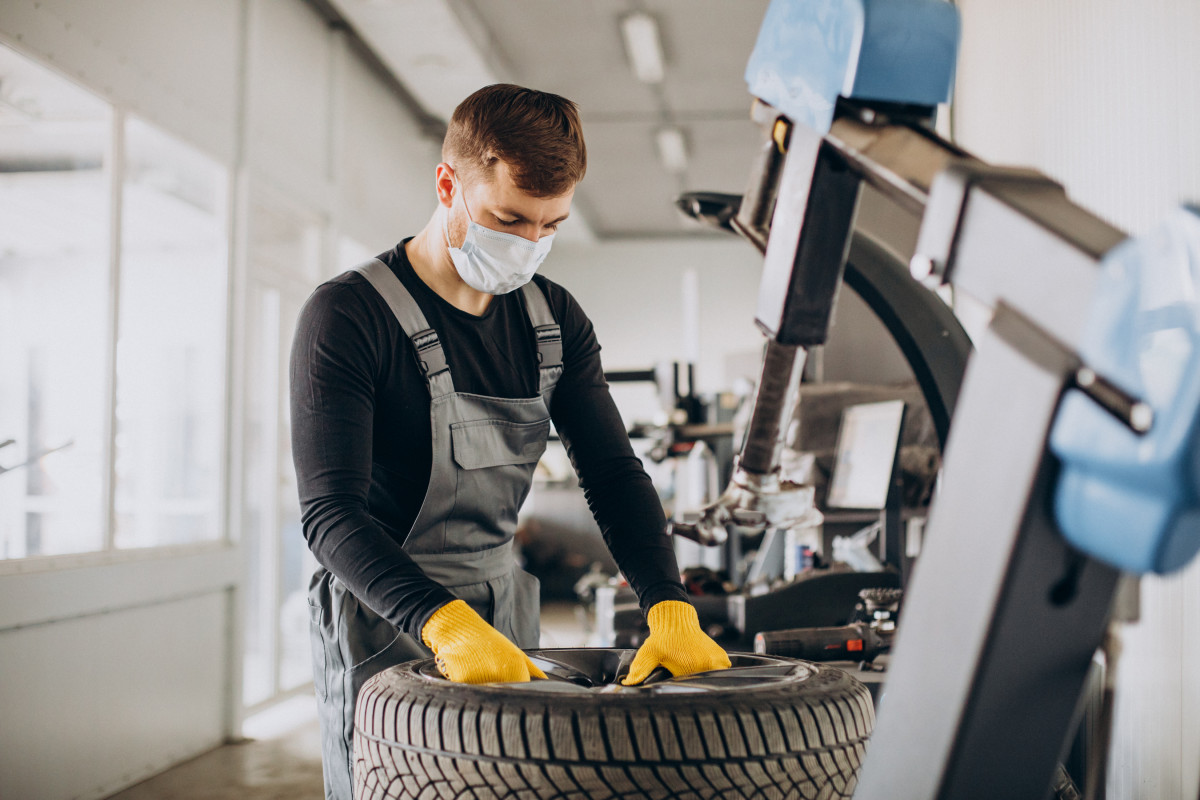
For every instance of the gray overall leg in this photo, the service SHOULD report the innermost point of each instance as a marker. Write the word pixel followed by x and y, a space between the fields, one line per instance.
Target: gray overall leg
pixel 350 644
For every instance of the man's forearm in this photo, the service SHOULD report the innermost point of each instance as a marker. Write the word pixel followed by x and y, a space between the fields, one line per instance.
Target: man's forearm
pixel 629 513
pixel 374 567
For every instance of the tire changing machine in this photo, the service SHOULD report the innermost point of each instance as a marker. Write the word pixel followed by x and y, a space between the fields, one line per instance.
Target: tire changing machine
pixel 1071 457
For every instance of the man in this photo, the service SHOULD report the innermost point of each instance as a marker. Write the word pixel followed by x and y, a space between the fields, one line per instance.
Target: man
pixel 423 385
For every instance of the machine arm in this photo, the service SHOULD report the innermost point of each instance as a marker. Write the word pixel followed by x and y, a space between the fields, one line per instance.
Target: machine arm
pixel 807 184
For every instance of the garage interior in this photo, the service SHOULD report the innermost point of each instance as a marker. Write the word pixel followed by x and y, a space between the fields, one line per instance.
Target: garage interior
pixel 177 176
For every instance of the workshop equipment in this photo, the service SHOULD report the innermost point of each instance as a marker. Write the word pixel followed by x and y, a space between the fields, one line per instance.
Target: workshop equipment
pixel 848 90
pixel 818 598
pixel 860 641
pixel 857 642
pixel 805 58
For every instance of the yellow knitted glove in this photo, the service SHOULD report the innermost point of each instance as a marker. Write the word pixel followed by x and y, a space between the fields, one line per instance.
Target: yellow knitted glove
pixel 675 642
pixel 468 650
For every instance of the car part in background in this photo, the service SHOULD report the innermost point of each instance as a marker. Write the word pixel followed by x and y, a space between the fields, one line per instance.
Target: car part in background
pixel 767 726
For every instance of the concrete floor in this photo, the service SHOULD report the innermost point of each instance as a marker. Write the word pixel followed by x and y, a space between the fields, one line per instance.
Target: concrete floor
pixel 280 758
pixel 286 768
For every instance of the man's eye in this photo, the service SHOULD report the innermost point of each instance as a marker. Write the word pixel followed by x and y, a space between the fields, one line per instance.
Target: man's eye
pixel 506 221
pixel 552 228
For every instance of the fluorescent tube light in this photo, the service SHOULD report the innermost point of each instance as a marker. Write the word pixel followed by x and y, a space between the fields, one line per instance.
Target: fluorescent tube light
pixel 672 149
pixel 643 46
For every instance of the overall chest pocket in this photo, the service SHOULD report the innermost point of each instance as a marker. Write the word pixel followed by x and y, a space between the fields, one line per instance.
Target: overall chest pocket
pixel 495 442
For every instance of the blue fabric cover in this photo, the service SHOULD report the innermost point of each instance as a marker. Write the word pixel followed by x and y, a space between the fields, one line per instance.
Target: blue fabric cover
pixel 810 51
pixel 1134 501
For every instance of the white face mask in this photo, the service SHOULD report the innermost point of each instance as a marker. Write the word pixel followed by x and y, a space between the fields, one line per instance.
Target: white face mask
pixel 491 261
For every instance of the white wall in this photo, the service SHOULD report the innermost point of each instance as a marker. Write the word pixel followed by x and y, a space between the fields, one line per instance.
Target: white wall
pixel 1101 94
pixel 112 672
pixel 117 665
pixel 633 290
pixel 385 169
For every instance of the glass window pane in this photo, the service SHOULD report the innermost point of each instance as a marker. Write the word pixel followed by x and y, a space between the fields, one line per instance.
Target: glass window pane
pixel 54 320
pixel 170 342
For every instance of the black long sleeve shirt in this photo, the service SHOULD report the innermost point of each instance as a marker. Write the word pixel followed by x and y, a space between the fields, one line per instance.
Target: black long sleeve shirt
pixel 361 436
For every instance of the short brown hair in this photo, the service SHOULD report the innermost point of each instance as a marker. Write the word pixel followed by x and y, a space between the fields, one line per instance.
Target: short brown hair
pixel 537 134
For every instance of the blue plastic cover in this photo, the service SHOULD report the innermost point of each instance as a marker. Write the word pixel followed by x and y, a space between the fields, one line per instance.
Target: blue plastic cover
pixel 810 51
pixel 1134 501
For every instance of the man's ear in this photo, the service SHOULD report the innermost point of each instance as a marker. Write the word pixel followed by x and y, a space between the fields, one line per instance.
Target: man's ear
pixel 444 184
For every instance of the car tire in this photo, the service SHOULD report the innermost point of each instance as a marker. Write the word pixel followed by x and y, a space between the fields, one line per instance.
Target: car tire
pixel 768 727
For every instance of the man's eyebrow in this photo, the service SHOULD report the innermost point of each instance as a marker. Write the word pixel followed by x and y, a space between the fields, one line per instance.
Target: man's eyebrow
pixel 521 217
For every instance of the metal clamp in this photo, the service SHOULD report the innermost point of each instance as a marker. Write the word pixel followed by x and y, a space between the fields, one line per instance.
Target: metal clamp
pixel 948 197
pixel 753 503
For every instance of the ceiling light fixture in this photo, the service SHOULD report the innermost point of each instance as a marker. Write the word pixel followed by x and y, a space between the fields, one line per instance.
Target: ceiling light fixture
pixel 643 46
pixel 672 149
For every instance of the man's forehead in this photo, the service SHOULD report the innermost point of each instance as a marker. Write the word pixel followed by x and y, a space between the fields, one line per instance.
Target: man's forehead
pixel 502 176
pixel 506 195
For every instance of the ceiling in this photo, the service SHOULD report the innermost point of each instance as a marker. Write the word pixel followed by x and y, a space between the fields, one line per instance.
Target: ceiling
pixel 442 50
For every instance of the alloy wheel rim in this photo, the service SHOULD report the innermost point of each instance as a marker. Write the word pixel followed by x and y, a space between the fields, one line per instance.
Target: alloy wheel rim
pixel 601 670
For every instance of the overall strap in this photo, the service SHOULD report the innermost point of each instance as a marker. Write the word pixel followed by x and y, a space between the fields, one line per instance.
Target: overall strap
pixel 431 359
pixel 548 335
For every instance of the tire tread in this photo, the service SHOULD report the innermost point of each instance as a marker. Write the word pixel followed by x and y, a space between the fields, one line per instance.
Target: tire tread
pixel 413 743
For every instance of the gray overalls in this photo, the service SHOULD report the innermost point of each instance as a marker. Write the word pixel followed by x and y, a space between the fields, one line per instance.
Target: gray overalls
pixel 484 453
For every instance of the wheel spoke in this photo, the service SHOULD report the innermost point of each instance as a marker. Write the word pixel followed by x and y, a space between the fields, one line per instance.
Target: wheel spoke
pixel 557 670
pixel 723 679
pixel 761 673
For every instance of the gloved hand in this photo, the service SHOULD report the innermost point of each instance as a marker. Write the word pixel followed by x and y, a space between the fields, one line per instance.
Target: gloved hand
pixel 468 650
pixel 676 642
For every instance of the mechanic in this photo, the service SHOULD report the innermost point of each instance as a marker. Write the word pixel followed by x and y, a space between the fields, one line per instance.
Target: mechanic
pixel 423 385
